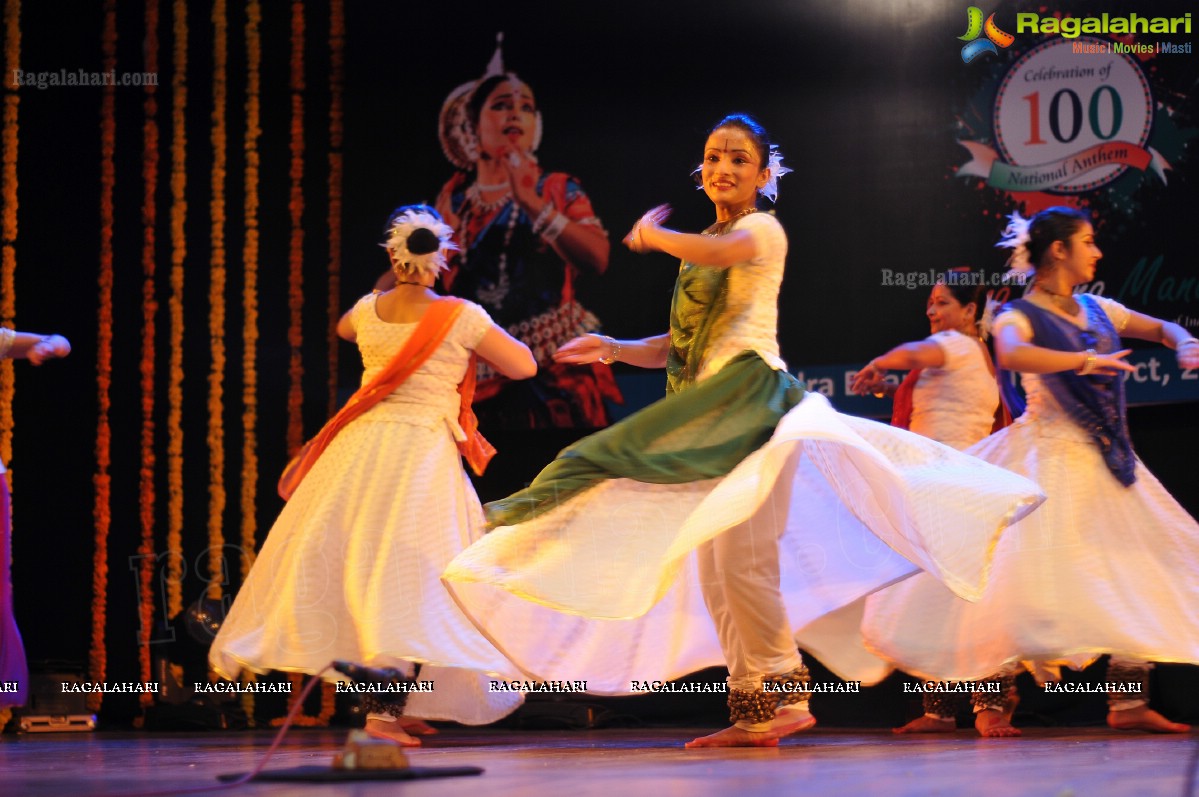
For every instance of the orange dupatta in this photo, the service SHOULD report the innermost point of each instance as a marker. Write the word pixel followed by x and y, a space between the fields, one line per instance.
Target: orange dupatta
pixel 428 335
pixel 901 402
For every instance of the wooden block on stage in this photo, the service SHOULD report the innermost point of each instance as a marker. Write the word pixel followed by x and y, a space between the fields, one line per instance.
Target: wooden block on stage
pixel 363 751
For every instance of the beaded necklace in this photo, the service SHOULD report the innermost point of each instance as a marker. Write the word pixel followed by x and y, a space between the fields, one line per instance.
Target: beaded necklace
pixel 722 227
pixel 474 195
pixel 476 209
pixel 1063 301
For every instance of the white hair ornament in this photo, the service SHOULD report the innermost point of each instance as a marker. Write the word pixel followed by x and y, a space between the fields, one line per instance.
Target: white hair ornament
pixel 776 169
pixel 409 222
pixel 1015 237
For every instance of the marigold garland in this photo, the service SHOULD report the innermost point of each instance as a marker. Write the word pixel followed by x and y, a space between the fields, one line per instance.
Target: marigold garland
pixel 8 233
pixel 98 658
pixel 147 561
pixel 295 396
pixel 249 455
pixel 295 302
pixel 178 255
pixel 8 224
pixel 249 469
pixel 337 42
pixel 216 307
pixel 328 704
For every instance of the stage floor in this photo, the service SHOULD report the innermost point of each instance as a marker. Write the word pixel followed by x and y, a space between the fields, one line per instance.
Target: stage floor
pixel 621 763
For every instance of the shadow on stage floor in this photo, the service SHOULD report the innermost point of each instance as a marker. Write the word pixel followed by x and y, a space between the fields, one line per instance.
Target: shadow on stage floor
pixel 620 763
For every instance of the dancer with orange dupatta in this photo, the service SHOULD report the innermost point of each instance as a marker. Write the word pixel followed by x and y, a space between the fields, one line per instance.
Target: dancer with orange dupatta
pixel 379 503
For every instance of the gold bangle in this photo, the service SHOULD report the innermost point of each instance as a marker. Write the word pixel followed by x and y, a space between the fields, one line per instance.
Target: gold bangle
pixel 870 366
pixel 1088 365
pixel 615 355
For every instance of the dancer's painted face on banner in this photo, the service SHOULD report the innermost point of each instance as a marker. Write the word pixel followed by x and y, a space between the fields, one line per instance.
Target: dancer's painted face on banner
pixel 1082 256
pixel 732 171
pixel 508 120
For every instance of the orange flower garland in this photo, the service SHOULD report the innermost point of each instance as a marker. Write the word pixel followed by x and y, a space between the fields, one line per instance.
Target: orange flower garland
pixel 328 704
pixel 8 226
pixel 8 232
pixel 216 307
pixel 178 255
pixel 249 455
pixel 337 72
pixel 295 299
pixel 146 558
pixel 249 467
pixel 98 658
pixel 295 396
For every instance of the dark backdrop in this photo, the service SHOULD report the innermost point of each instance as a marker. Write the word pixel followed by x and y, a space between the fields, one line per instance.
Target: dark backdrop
pixel 867 99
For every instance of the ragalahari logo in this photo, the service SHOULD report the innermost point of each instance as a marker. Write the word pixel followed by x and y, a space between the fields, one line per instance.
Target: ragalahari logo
pixel 975 27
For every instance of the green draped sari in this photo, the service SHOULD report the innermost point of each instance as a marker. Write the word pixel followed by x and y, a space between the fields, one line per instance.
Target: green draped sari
pixel 700 430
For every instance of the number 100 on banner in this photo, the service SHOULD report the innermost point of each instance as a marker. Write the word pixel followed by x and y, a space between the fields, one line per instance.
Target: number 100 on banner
pixel 1070 116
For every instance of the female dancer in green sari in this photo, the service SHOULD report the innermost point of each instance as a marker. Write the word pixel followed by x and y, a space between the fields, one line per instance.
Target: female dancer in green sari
pixel 735 516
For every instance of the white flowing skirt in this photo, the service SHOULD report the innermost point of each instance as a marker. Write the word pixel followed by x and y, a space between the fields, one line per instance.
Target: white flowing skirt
pixel 1100 568
pixel 605 586
pixel 350 571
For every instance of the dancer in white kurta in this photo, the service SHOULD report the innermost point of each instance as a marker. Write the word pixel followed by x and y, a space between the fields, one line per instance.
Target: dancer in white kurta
pixel 730 502
pixel 350 569
pixel 1110 564
pixel 951 395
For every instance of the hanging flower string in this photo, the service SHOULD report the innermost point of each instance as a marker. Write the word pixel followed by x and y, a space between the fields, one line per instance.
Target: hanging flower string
pixel 8 226
pixel 249 451
pixel 178 255
pixel 328 704
pixel 98 657
pixel 295 396
pixel 216 306
pixel 337 42
pixel 249 471
pixel 8 237
pixel 147 562
pixel 295 336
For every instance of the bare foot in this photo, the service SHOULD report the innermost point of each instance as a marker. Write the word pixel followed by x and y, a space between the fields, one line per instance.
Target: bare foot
pixel 927 724
pixel 786 722
pixel 417 727
pixel 791 720
pixel 994 724
pixel 391 731
pixel 735 737
pixel 1143 718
